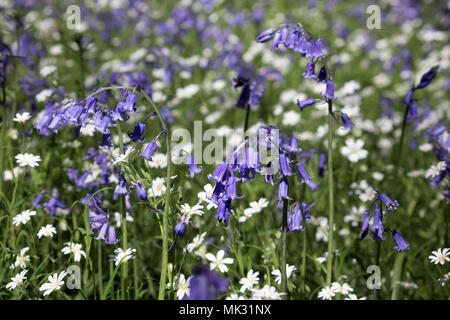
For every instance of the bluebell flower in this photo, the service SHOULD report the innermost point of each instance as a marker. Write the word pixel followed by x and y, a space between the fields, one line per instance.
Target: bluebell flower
pixel 377 225
pixel 121 188
pixel 266 35
pixel 322 77
pixel 322 163
pixel 192 166
pixel 140 190
pixel 37 201
pixel 310 67
pixel 295 217
pixel 401 244
pixel 427 77
pixel 329 90
pixel 149 151
pixel 283 189
pixel 137 134
pixel 205 284
pixel 305 103
pixel 346 121
pixel 391 205
pixel 284 165
pixel 52 205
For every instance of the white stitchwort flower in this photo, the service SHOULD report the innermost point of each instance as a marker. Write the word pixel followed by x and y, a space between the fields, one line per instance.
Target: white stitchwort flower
pixel 440 256
pixel 435 170
pixel 267 293
pixel 22 259
pixel 196 242
pixel 23 217
pixel 28 160
pixel 248 282
pixel 187 210
pixel 54 283
pixel 22 117
pixel 158 188
pixel 182 286
pixel 48 231
pixel 353 150
pixel 341 288
pixel 17 280
pixel 204 196
pixel 257 206
pixel 326 293
pixel 120 256
pixel 159 160
pixel 123 157
pixel 289 271
pixel 74 248
pixel 219 261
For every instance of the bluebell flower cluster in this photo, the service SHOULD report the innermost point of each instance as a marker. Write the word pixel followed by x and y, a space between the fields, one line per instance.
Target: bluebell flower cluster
pixel 295 37
pixel 410 102
pixel 377 224
pixel 246 164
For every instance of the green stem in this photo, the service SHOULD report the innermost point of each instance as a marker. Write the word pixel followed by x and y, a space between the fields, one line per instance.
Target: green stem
pixel 123 214
pixel 247 116
pixel 100 268
pixel 165 244
pixel 330 193
pixel 284 247
pixel 402 137
pixel 303 267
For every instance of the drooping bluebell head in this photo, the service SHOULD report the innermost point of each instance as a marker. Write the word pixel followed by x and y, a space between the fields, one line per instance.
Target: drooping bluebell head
pixel 427 77
pixel 329 90
pixel 322 77
pixel 295 217
pixel 310 70
pixel 284 165
pixel 391 205
pixel 149 151
pixel 140 190
pixel 283 189
pixel 346 123
pixel 305 103
pixel 138 133
pixel 401 244
pixel 192 166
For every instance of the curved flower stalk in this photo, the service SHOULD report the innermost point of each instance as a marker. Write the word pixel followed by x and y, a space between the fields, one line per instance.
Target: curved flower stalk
pixel 94 112
pixel 296 38
pixel 411 111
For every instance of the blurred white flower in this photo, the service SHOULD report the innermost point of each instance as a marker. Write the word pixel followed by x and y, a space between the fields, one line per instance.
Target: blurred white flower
pixel 48 231
pixel 326 293
pixel 353 150
pixel 28 160
pixel 22 117
pixel 17 280
pixel 440 256
pixel 23 217
pixel 435 170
